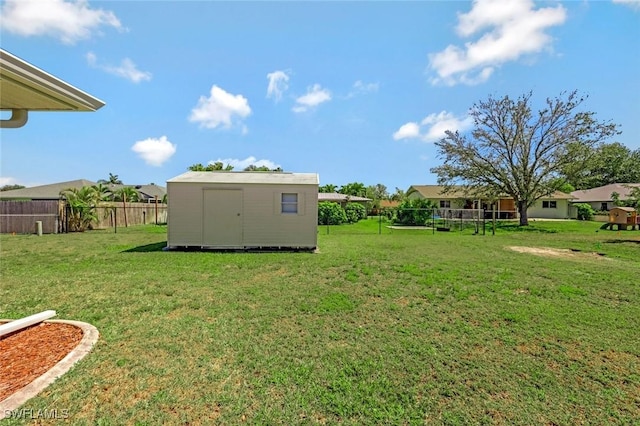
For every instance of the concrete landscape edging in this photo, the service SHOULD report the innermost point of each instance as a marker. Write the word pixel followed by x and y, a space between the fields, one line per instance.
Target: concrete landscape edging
pixel 90 336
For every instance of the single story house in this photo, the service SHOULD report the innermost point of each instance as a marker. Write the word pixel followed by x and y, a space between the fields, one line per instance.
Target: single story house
pixel 20 208
pixel 342 199
pixel 148 193
pixel 44 192
pixel 555 206
pixel 243 210
pixel 600 198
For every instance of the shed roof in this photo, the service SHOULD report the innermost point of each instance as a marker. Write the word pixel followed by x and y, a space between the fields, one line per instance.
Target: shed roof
pixel 25 87
pixel 283 178
pixel 603 193
pixel 626 209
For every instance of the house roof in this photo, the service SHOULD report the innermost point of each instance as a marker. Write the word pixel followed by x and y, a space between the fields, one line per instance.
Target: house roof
pixel 335 197
pixel 389 203
pixel 603 193
pixel 52 191
pixel 437 192
pixel 25 87
pixel 45 192
pixel 247 177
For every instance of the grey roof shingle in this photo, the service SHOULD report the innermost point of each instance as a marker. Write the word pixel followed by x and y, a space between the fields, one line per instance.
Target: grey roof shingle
pixel 45 192
pixel 603 193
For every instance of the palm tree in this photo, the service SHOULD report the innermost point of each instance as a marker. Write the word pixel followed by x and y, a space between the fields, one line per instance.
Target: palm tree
pixel 103 193
pixel 113 180
pixel 82 207
pixel 124 194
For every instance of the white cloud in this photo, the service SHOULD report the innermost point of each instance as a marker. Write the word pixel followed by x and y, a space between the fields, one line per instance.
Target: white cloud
pixel 127 69
pixel 315 96
pixel 360 88
pixel 633 4
pixel 69 21
pixel 432 128
pixel 407 131
pixel 438 123
pixel 243 164
pixel 154 152
pixel 278 84
pixel 512 29
pixel 220 109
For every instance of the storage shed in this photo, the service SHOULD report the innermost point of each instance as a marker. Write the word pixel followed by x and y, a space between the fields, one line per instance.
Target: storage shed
pixel 243 210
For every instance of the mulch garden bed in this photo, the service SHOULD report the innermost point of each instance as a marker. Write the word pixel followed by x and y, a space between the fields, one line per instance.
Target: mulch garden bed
pixel 29 353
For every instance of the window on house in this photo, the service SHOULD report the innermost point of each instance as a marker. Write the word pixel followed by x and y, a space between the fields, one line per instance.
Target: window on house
pixel 604 207
pixel 289 203
pixel 549 205
pixel 445 204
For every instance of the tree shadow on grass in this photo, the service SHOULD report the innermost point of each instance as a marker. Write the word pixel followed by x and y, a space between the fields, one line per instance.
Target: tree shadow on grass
pixel 515 227
pixel 147 248
pixel 621 241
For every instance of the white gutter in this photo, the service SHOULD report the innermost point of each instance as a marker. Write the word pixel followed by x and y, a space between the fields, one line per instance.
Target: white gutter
pixel 18 119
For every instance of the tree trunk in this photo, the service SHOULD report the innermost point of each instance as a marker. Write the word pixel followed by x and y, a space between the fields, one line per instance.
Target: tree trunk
pixel 522 212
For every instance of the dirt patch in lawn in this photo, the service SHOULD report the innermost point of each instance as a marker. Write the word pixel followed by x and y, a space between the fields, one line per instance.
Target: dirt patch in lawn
pixel 560 253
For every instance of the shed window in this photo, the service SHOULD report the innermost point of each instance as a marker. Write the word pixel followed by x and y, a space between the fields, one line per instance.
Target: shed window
pixel 445 204
pixel 289 203
pixel 549 205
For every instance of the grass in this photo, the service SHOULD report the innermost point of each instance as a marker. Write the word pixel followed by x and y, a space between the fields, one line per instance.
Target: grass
pixel 406 327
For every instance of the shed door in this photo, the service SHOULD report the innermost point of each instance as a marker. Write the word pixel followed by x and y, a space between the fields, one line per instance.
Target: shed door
pixel 222 217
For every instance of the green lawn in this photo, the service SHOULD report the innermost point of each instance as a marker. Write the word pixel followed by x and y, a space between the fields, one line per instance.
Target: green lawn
pixel 406 327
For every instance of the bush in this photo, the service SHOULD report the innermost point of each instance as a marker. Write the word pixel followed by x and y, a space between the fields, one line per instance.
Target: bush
pixel 355 212
pixel 415 212
pixel 330 213
pixel 585 211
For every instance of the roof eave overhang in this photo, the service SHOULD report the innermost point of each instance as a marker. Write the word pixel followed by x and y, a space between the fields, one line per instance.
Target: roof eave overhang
pixel 25 87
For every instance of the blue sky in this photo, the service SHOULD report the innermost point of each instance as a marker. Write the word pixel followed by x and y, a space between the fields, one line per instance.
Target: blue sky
pixel 354 91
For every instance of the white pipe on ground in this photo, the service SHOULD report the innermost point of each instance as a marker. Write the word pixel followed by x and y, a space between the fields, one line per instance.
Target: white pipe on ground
pixel 25 322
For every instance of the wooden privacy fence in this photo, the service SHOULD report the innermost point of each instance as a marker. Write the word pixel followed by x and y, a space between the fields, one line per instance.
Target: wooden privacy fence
pixel 20 217
pixel 112 215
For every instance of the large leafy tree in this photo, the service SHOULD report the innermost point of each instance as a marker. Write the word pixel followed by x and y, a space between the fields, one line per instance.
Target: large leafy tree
pixel 517 151
pixel 355 189
pixel 328 188
pixel 211 167
pixel 606 164
pixel 254 168
pixel 10 187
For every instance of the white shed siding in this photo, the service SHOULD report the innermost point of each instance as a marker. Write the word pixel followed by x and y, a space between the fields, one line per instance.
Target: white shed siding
pixel 261 220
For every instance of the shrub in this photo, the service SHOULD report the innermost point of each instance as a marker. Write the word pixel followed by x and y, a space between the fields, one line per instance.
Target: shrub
pixel 585 211
pixel 415 212
pixel 330 213
pixel 355 212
